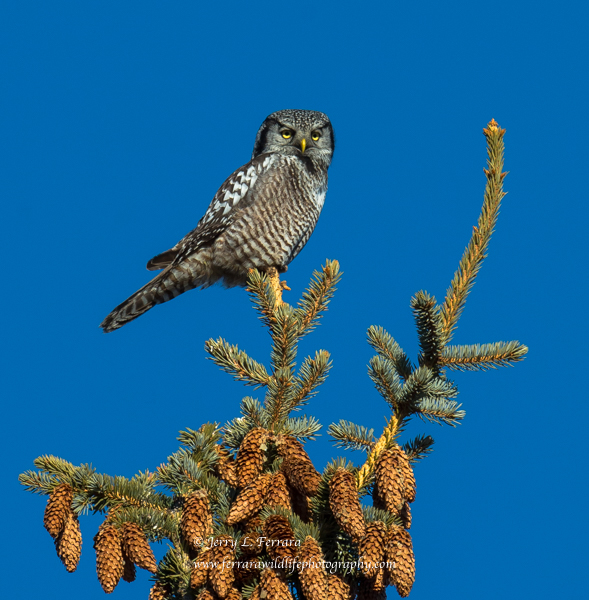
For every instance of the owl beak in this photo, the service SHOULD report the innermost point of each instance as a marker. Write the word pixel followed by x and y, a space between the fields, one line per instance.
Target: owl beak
pixel 303 145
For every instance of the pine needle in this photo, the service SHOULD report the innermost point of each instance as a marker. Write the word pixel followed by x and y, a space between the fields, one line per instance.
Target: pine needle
pixel 480 357
pixel 237 363
pixel 317 297
pixel 476 251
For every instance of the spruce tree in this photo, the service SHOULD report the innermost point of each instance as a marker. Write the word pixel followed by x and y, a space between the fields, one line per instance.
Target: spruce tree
pixel 245 512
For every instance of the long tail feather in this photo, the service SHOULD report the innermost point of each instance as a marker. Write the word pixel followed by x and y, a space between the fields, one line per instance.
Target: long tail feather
pixel 173 281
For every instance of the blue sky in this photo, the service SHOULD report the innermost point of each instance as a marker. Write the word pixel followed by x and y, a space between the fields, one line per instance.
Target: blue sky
pixel 119 121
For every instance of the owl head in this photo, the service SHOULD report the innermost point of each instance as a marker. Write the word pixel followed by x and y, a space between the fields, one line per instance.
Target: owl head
pixel 306 133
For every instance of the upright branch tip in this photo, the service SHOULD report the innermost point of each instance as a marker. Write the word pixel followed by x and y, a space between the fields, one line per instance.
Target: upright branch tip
pixel 276 285
pixel 492 128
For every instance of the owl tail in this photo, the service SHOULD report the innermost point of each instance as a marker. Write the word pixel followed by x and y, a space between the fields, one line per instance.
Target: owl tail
pixel 173 281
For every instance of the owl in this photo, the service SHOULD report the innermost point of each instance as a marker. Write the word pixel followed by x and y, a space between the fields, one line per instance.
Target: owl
pixel 261 217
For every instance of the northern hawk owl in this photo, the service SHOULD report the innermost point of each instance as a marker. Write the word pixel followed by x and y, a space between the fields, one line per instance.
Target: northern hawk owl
pixel 260 218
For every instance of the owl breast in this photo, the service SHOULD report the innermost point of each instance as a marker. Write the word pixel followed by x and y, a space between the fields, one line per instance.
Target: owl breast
pixel 275 222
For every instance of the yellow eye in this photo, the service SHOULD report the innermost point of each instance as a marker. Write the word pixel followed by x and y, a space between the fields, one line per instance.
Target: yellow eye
pixel 286 134
pixel 315 136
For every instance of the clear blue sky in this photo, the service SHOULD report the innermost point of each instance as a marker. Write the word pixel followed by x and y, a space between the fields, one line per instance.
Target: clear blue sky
pixel 119 121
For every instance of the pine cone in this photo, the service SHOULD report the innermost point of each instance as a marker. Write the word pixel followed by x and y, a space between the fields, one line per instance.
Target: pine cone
pixel 400 552
pixel 297 466
pixel 390 481
pixel 253 525
pixel 250 500
pixel 274 585
pixel 405 466
pixel 381 581
pixel 226 467
pixel 57 509
pixel 129 571
pixel 109 557
pixel 249 544
pixel 301 505
pixel 278 492
pixel 372 548
pixel 245 570
pixel 251 456
pixel 206 595
pixel 159 592
pixel 406 515
pixel 137 548
pixel 200 571
pixel 281 541
pixel 367 591
pixel 69 542
pixel 234 594
pixel 338 588
pixel 344 503
pixel 222 555
pixel 377 498
pixel 196 523
pixel 312 574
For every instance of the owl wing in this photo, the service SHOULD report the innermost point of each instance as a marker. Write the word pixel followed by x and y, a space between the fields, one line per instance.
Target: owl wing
pixel 232 197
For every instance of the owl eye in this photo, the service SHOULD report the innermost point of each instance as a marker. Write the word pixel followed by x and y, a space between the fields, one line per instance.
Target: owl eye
pixel 315 136
pixel 286 134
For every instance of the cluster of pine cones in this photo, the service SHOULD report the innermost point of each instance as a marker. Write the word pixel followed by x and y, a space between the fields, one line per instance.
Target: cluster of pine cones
pixel 291 488
pixel 118 550
pixel 222 566
pixel 63 526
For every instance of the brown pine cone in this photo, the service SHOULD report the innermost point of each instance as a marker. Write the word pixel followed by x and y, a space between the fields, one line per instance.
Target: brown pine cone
pixel 278 492
pixel 367 591
pixel 109 557
pixel 406 515
pixel 200 571
pixel 69 542
pixel 377 498
pixel 222 555
pixel 400 552
pixel 196 523
pixel 301 505
pixel 137 548
pixel 372 548
pixel 57 509
pixel 405 466
pixel 338 588
pixel 250 500
pixel 159 592
pixel 249 544
pixel 280 538
pixel 234 594
pixel 226 467
pixel 251 456
pixel 312 574
pixel 297 466
pixel 390 481
pixel 129 571
pixel 274 585
pixel 246 570
pixel 206 595
pixel 253 525
pixel 381 580
pixel 344 503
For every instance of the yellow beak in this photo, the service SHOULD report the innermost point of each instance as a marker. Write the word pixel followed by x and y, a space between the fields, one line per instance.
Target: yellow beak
pixel 303 145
